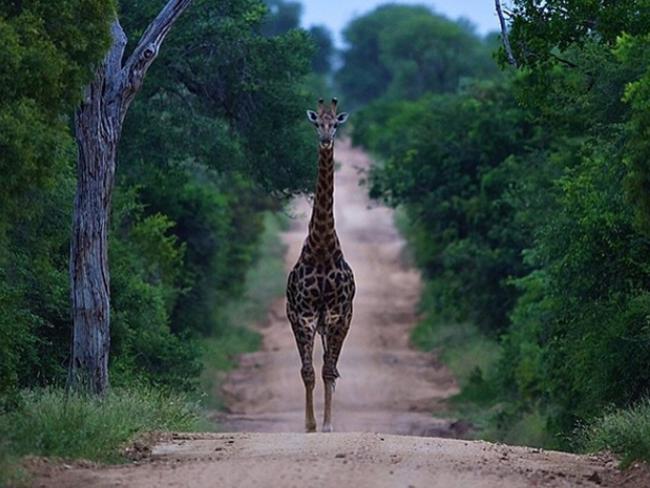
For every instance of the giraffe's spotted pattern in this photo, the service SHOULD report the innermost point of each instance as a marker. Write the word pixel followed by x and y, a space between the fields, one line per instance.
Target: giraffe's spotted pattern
pixel 320 288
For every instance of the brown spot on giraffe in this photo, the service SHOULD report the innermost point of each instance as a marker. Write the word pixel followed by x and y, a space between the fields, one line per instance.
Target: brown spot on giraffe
pixel 321 286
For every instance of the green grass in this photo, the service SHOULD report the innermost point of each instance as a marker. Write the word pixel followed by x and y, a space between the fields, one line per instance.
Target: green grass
pixel 462 347
pixel 471 357
pixel 499 424
pixel 51 423
pixel 265 282
pixel 625 432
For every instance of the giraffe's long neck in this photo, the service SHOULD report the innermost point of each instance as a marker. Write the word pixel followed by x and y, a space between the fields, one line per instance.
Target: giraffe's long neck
pixel 322 235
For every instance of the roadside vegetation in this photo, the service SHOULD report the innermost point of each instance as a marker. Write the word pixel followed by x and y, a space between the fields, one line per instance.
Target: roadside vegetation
pixel 213 147
pixel 624 432
pixel 525 192
pixel 50 422
pixel 264 283
pixel 526 196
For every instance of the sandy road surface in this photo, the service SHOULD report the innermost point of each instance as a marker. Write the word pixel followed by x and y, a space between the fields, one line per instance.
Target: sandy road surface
pixel 385 389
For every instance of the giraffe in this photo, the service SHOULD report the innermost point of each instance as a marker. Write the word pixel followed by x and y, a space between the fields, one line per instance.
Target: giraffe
pixel 320 287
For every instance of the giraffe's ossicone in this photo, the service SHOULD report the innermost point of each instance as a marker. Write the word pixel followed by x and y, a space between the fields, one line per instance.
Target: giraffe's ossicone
pixel 321 286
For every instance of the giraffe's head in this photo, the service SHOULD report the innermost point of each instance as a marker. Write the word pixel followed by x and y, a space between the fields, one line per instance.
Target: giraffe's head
pixel 326 121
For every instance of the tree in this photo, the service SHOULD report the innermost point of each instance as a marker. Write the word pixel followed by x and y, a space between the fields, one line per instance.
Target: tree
pixel 215 132
pixel 284 16
pixel 452 161
pixel 322 60
pixel 47 56
pixel 540 31
pixel 401 51
pixel 364 76
pixel 98 127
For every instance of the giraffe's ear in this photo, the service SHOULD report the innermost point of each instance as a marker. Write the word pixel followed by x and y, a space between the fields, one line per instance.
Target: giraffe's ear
pixel 312 116
pixel 342 117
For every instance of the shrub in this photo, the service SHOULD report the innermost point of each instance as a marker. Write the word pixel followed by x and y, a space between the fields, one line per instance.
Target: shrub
pixel 50 422
pixel 625 432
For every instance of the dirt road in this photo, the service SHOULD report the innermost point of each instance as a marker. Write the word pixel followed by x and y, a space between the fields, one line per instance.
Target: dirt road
pixel 385 388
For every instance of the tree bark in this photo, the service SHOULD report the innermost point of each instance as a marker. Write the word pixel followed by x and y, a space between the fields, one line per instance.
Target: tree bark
pixel 504 34
pixel 98 127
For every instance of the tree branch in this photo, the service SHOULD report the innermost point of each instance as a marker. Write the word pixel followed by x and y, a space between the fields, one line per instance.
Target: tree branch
pixel 113 62
pixel 504 34
pixel 147 49
pixel 563 61
pixel 115 54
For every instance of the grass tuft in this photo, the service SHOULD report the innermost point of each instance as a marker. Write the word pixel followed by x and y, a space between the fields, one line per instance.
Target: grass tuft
pixel 49 422
pixel 463 348
pixel 624 432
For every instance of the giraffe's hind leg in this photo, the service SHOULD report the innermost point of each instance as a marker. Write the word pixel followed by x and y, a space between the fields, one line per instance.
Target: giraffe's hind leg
pixel 304 335
pixel 334 341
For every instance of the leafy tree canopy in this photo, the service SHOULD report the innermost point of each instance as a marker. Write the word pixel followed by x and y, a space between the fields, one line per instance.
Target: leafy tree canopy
pixel 404 51
pixel 48 53
pixel 322 60
pixel 542 30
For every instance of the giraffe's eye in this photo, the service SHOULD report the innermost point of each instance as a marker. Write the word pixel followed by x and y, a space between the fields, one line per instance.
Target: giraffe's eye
pixel 336 126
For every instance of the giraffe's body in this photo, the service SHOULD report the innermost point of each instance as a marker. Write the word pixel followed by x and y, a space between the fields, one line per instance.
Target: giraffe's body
pixel 321 286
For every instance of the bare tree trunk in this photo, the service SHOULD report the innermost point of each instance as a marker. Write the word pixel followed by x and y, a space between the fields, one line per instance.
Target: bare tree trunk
pixel 504 34
pixel 98 127
pixel 97 144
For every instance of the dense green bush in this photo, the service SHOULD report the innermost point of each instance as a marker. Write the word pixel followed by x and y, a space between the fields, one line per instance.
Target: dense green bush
pixel 47 55
pixel 454 162
pixel 528 213
pixel 623 432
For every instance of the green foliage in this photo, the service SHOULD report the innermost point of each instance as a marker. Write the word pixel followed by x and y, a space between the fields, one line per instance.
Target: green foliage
pixel 236 91
pixel 50 422
pixel 453 162
pixel 147 264
pixel 47 55
pixel 204 144
pixel 541 32
pixel 578 339
pixel 34 290
pixel 215 139
pixel 527 204
pixel 400 51
pixel 283 16
pixel 264 283
pixel 633 53
pixel 322 60
pixel 625 432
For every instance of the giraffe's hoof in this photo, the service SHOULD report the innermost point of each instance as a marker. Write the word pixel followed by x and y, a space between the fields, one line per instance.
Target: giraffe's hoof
pixel 310 427
pixel 327 428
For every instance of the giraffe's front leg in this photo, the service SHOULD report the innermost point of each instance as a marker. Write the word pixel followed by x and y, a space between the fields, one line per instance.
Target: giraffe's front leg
pixel 336 336
pixel 309 378
pixel 304 334
pixel 327 417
